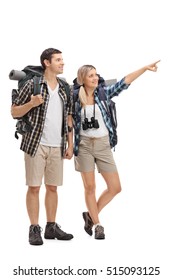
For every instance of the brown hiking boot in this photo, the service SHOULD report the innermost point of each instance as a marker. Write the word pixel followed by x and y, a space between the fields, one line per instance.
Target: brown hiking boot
pixel 88 223
pixel 99 232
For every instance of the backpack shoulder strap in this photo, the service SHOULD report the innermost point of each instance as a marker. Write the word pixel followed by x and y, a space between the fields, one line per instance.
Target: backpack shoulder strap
pixel 101 93
pixel 75 95
pixel 37 87
pixel 103 97
pixel 66 87
pixel 75 88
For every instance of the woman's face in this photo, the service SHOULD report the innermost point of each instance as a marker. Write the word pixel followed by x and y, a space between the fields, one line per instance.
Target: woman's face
pixel 91 79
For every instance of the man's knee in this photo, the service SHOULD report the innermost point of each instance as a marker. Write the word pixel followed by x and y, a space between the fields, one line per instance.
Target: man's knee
pixel 50 188
pixel 34 190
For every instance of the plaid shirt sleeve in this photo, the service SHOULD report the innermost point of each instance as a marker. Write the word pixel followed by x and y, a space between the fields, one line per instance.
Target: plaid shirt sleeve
pixel 114 90
pixel 23 95
pixel 70 103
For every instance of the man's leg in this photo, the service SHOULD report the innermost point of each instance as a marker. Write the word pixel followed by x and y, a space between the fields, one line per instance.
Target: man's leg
pixel 34 167
pixel 32 204
pixel 53 178
pixel 51 202
pixel 53 230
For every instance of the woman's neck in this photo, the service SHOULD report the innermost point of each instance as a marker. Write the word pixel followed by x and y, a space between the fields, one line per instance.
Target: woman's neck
pixel 89 92
pixel 90 97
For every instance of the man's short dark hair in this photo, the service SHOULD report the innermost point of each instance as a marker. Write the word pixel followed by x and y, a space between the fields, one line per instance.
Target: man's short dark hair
pixel 47 54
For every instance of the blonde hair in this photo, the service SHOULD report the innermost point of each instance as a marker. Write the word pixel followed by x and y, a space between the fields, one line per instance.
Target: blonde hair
pixel 81 74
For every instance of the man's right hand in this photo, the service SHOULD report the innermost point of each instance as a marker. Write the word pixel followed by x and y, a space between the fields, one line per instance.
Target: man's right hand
pixel 18 111
pixel 36 100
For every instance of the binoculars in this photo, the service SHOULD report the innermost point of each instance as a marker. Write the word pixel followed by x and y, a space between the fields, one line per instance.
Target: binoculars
pixel 90 124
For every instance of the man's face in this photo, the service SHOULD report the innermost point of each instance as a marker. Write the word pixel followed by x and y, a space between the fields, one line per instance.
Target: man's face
pixel 56 66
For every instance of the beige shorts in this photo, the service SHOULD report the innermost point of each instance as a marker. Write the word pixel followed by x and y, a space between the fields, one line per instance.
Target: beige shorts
pixel 95 151
pixel 47 163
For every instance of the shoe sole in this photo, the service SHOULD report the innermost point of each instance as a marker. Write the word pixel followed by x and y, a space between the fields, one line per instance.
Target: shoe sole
pixel 100 238
pixel 65 238
pixel 36 244
pixel 90 232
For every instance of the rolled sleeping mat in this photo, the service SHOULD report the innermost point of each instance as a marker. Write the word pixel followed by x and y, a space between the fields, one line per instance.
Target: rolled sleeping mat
pixel 16 75
pixel 110 82
pixel 107 82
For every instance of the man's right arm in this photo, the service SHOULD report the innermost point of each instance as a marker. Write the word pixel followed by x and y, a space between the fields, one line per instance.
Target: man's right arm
pixel 18 111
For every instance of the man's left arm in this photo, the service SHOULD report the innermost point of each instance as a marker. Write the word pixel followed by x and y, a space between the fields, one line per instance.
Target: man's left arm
pixel 69 150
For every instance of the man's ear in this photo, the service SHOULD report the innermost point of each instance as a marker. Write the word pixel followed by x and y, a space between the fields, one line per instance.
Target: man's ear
pixel 46 62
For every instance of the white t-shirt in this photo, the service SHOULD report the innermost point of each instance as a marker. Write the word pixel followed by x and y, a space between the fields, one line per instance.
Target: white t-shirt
pixel 51 135
pixel 93 132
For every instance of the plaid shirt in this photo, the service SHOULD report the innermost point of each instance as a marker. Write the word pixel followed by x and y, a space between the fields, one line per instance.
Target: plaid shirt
pixel 31 140
pixel 110 91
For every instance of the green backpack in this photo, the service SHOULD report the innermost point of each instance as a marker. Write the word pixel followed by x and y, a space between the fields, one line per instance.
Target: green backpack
pixel 23 124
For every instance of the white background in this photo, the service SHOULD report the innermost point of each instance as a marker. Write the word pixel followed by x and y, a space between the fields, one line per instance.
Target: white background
pixel 117 37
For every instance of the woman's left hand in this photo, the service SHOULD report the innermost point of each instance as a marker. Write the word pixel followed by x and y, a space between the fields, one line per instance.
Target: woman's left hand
pixel 153 67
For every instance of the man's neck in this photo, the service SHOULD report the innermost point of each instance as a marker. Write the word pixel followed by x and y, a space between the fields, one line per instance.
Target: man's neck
pixel 51 79
pixel 50 76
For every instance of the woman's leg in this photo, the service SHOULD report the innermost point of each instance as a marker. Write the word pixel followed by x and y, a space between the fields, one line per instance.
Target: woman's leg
pixel 113 188
pixel 90 196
